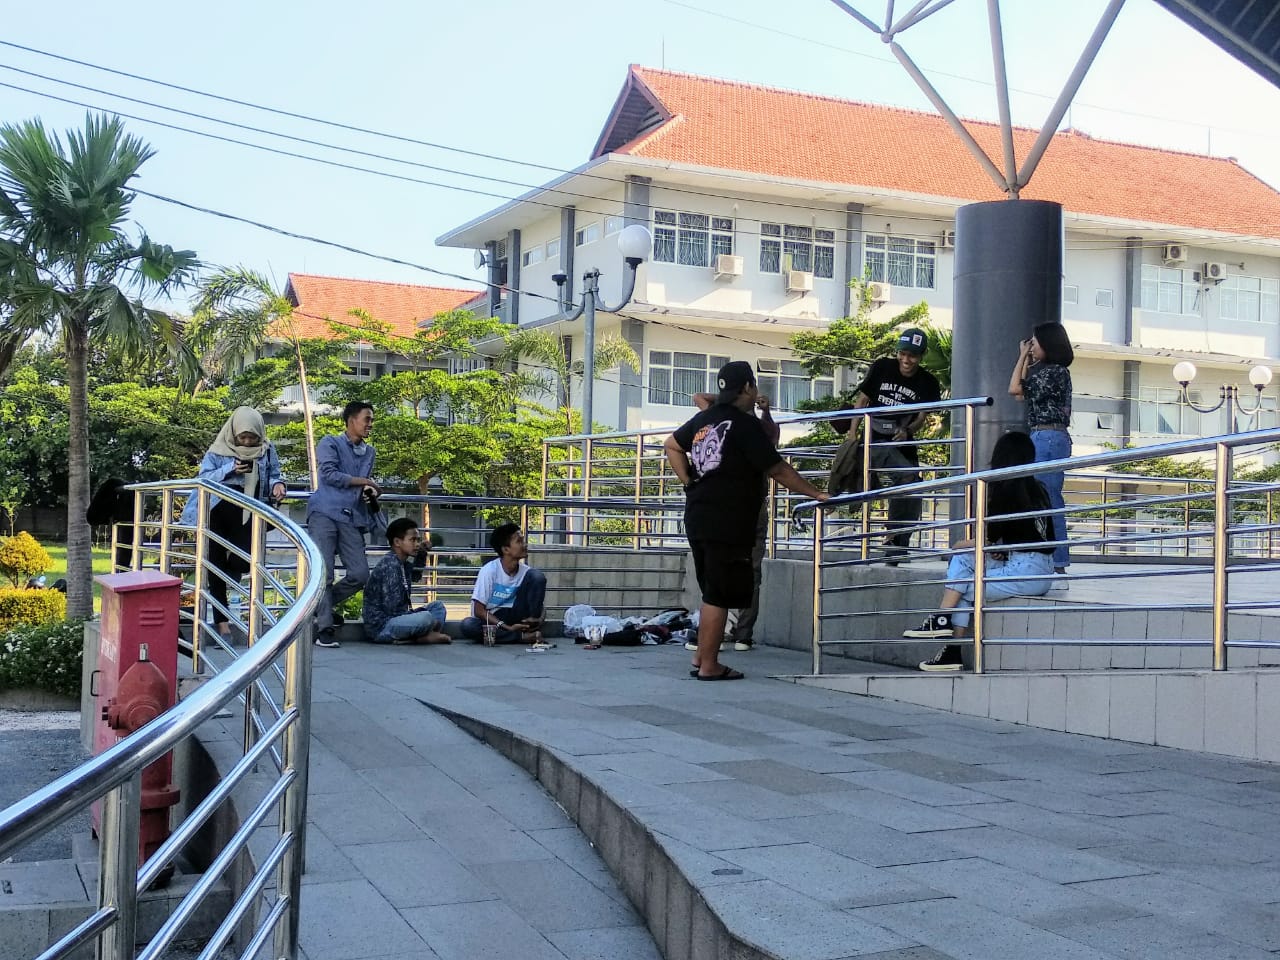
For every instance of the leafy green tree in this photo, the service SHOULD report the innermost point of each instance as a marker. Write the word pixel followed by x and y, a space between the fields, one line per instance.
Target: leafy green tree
pixel 237 312
pixel 68 268
pixel 544 349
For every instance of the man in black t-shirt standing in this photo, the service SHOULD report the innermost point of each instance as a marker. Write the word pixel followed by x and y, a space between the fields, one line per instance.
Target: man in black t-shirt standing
pixel 890 382
pixel 725 461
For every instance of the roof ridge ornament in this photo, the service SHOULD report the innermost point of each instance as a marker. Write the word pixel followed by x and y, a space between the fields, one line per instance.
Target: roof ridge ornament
pixel 1013 179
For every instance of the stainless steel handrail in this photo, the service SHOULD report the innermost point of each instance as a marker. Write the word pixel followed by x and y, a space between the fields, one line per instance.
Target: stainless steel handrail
pixel 115 774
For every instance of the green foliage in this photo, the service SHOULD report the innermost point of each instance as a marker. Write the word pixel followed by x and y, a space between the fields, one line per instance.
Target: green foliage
pixel 22 557
pixel 19 606
pixel 45 656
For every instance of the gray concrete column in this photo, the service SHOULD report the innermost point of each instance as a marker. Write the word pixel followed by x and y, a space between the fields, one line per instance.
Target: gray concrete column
pixel 852 252
pixel 492 277
pixel 513 277
pixel 567 226
pixel 631 391
pixel 635 200
pixel 1008 279
pixel 1132 368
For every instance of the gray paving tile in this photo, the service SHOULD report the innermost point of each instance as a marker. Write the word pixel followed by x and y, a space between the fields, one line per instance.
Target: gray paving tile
pixel 722 733
pixel 778 777
pixel 1019 894
pixel 651 713
pixel 705 827
pixel 1215 840
pixel 1062 864
pixel 568 845
pixel 829 877
pixel 747 800
pixel 1157 938
pixel 795 926
pixel 476 835
pixel 898 812
pixel 484 930
pixel 361 815
pixel 526 805
pixel 1064 829
pixel 608 943
pixel 417 873
pixel 821 758
pixel 693 750
pixel 416 789
pixel 1191 903
pixel 327 931
pixel 919 789
pixel 932 767
pixel 868 842
pixel 541 890
pixel 968 932
pixel 656 768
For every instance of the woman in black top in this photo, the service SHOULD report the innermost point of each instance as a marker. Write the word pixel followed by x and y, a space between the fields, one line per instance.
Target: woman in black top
pixel 1024 570
pixel 1042 380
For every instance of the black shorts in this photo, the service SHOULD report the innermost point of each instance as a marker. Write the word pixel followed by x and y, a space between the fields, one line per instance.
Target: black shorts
pixel 724 573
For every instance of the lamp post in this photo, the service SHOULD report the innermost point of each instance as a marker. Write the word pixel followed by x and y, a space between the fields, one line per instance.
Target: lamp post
pixel 1229 394
pixel 635 243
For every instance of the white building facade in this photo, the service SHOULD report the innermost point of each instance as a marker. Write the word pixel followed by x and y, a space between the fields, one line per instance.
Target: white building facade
pixel 752 246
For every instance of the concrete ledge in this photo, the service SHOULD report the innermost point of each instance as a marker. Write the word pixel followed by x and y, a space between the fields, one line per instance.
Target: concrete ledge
pixel 1233 713
pixel 696 906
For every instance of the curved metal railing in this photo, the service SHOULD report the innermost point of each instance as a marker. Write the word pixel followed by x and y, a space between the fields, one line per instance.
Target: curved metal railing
pixel 269 684
pixel 838 545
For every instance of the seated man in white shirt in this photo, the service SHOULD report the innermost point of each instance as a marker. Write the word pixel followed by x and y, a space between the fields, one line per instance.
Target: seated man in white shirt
pixel 508 592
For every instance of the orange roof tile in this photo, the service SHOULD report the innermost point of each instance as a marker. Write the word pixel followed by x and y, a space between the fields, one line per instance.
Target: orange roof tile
pixel 738 126
pixel 402 305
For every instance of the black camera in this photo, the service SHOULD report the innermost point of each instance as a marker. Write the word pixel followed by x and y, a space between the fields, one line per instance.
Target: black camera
pixel 370 498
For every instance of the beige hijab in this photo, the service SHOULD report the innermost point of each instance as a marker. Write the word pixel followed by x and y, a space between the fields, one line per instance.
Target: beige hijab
pixel 242 420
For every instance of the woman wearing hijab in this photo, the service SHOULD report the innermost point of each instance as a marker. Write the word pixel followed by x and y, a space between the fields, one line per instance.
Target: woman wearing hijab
pixel 240 457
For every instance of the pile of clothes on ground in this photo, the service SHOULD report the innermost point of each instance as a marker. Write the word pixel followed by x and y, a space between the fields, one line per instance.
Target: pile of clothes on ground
pixel 584 625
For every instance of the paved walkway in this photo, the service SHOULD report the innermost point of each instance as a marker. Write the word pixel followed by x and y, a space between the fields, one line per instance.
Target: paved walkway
pixel 815 824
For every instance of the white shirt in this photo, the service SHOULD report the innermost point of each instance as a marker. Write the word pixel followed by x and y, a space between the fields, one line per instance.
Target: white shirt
pixel 496 588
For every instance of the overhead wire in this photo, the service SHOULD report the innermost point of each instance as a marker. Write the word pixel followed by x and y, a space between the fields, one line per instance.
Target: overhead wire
pixel 1099 243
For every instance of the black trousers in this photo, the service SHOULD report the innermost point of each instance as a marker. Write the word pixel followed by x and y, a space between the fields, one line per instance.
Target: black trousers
pixel 227 521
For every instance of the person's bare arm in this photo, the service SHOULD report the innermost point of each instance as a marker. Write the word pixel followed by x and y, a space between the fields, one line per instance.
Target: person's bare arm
pixel 704 401
pixel 1020 370
pixel 678 459
pixel 771 429
pixel 787 475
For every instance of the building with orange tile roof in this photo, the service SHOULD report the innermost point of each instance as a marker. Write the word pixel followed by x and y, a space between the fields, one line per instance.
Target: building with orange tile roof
pixel 764 203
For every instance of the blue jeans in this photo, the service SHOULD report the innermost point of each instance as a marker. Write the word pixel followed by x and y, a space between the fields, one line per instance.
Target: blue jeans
pixel 1021 563
pixel 1055 445
pixel 346 540
pixel 409 625
pixel 529 599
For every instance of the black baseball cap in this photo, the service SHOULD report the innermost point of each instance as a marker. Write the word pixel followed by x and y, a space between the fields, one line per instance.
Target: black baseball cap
pixel 732 378
pixel 913 340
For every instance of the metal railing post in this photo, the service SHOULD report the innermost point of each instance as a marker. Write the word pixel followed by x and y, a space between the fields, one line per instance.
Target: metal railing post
pixel 295 754
pixel 1103 525
pixel 136 562
pixel 771 530
pixel 970 424
pixel 199 611
pixel 866 484
pixel 166 529
pixel 1221 551
pixel 636 516
pixel 818 519
pixel 546 455
pixel 979 571
pixel 118 867
pixel 251 696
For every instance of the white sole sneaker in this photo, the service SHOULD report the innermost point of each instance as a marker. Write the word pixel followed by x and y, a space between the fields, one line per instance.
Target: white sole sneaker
pixel 930 667
pixel 922 634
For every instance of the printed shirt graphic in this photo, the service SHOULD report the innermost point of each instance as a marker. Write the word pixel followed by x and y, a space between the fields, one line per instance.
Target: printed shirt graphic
pixel 496 588
pixel 730 456
pixel 885 386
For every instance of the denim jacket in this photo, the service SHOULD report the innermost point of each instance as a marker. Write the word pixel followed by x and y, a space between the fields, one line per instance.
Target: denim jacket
pixel 222 469
pixel 386 594
pixel 339 461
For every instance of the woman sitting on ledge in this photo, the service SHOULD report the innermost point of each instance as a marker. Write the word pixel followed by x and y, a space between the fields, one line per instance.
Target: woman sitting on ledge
pixel 1025 570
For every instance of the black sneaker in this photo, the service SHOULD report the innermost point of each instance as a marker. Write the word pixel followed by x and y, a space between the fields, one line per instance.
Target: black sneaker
pixel 326 638
pixel 338 619
pixel 936 626
pixel 945 660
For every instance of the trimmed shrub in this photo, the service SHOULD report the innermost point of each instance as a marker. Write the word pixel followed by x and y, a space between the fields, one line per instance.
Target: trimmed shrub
pixel 46 656
pixel 19 606
pixel 22 557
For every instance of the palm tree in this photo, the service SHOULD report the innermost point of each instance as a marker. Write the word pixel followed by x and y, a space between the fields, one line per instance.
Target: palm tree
pixel 68 268
pixel 238 310
pixel 544 349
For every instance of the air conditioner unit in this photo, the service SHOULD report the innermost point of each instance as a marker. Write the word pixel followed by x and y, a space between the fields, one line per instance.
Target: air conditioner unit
pixel 948 241
pixel 880 292
pixel 1175 253
pixel 799 281
pixel 1213 273
pixel 727 266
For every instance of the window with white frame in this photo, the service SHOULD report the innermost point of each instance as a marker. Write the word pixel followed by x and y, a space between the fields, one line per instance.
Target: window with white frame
pixel 690 239
pixel 1162 411
pixel 613 225
pixel 787 384
pixel 1070 293
pixel 1104 298
pixel 788 246
pixel 674 377
pixel 901 261
pixel 531 256
pixel 1170 290
pixel 1249 298
pixel 553 250
pixel 1265 418
pixel 586 234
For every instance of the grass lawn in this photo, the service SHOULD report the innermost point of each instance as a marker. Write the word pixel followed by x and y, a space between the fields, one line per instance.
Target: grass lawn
pixel 58 553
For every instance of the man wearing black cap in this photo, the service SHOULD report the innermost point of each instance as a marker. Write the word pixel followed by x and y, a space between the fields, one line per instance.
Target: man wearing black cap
pixel 724 460
pixel 892 382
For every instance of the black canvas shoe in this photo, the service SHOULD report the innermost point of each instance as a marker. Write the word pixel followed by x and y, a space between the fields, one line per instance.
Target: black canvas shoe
pixel 936 626
pixel 945 660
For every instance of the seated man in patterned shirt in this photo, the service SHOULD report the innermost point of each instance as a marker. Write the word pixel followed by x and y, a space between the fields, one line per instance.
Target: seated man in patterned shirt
pixel 388 615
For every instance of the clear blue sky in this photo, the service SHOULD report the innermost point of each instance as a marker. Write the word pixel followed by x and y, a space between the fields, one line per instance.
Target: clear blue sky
pixel 533 82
